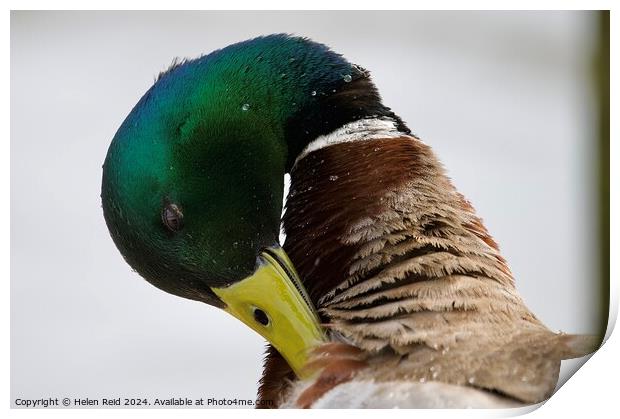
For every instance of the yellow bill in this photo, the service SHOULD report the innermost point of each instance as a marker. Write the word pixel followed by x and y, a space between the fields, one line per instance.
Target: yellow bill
pixel 274 303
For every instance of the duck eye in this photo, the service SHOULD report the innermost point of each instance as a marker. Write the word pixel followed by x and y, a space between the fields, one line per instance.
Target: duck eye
pixel 261 317
pixel 172 217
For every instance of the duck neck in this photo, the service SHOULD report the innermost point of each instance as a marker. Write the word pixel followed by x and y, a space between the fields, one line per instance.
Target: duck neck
pixel 341 110
pixel 371 209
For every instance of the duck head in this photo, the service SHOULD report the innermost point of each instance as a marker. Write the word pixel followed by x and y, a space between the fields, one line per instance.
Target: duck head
pixel 193 179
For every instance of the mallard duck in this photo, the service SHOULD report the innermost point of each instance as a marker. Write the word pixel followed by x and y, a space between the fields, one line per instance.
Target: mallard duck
pixel 388 292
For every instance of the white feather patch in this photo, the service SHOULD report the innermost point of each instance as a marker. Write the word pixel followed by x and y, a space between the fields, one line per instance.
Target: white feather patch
pixel 361 130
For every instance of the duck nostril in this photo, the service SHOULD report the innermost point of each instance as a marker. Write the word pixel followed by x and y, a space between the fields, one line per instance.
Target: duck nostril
pixel 261 317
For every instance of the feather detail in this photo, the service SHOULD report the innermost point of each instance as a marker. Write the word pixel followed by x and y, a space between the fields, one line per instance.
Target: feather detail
pixel 369 394
pixel 398 263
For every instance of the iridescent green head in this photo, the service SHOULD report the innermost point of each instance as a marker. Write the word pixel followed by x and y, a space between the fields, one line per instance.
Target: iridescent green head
pixel 193 180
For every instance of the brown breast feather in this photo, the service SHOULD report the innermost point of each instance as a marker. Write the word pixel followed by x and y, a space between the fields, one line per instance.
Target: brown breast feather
pixel 398 263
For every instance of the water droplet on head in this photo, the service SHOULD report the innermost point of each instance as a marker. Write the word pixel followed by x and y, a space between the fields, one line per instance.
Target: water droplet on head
pixel 347 78
pixel 333 178
pixel 245 107
pixel 313 93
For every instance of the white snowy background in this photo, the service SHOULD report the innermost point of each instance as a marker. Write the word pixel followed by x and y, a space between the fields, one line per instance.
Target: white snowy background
pixel 504 98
